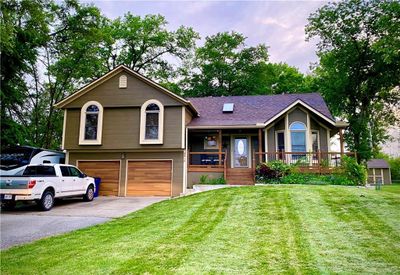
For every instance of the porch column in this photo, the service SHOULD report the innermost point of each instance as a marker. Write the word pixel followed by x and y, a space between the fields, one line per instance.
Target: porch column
pixel 260 145
pixel 341 142
pixel 219 147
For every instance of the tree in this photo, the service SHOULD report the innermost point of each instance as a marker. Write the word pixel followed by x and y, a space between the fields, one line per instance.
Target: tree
pixel 278 78
pixel 51 50
pixel 24 30
pixel 224 66
pixel 359 66
pixel 146 46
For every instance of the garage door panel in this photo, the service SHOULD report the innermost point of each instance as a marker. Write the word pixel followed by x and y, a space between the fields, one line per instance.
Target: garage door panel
pixel 149 178
pixel 108 171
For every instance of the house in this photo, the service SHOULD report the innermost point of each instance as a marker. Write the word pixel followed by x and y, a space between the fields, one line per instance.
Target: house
pixel 144 140
pixel 378 172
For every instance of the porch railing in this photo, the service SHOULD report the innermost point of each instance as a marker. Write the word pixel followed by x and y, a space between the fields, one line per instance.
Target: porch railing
pixel 308 161
pixel 207 162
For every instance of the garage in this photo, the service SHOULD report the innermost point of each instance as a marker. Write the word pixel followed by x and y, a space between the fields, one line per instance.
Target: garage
pixel 108 171
pixel 149 178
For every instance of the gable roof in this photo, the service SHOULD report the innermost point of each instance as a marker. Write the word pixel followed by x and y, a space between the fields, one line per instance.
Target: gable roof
pixel 255 110
pixel 114 72
pixel 377 163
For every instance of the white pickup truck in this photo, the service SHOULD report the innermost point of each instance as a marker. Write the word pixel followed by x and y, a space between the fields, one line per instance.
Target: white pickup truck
pixel 43 183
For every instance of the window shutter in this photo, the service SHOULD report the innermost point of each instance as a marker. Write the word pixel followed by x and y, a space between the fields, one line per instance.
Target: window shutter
pixel 123 81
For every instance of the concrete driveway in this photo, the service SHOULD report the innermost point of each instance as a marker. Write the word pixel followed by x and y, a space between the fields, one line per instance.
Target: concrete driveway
pixel 26 223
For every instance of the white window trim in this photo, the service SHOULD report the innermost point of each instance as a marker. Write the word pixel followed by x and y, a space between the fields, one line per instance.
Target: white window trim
pixel 82 140
pixel 143 140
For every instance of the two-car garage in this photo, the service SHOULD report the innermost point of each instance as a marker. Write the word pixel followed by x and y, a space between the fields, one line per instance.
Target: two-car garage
pixel 142 177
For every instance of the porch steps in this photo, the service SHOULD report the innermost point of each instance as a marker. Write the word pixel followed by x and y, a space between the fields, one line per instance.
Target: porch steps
pixel 240 176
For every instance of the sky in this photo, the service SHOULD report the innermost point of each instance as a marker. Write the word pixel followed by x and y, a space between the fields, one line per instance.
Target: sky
pixel 278 24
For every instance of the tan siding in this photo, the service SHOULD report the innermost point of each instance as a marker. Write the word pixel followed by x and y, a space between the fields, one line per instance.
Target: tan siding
pixel 297 115
pixel 386 176
pixel 188 117
pixel 121 128
pixel 177 157
pixel 194 177
pixel 271 140
pixel 110 95
pixel 72 129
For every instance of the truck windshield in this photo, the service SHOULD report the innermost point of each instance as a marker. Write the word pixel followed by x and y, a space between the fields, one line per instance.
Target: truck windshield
pixel 12 158
pixel 39 170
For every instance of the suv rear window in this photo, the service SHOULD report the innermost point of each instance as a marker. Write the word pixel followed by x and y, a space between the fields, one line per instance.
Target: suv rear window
pixel 39 170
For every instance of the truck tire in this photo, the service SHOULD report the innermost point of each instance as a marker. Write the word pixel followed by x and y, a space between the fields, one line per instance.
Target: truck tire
pixel 89 194
pixel 47 201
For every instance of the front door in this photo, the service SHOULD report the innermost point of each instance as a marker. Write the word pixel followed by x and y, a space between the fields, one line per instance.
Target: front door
pixel 241 156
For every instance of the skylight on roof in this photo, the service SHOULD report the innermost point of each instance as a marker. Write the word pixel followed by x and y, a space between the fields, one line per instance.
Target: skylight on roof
pixel 228 108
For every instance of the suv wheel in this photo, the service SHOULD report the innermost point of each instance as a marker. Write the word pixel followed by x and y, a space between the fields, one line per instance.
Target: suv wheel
pixel 47 201
pixel 89 194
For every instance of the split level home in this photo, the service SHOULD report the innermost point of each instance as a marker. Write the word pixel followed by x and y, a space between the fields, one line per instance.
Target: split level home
pixel 143 140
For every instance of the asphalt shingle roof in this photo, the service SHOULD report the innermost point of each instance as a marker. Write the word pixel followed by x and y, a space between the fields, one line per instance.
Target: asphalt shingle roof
pixel 250 110
pixel 377 163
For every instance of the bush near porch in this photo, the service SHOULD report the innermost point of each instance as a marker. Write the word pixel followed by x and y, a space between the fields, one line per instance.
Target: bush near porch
pixel 349 173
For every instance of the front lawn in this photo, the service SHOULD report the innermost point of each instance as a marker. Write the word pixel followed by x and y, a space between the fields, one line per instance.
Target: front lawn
pixel 262 229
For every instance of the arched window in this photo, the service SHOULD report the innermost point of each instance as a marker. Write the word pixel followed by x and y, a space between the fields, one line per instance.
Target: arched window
pixel 298 136
pixel 91 123
pixel 152 122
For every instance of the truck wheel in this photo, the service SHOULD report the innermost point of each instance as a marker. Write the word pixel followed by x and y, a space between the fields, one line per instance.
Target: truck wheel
pixel 9 205
pixel 47 201
pixel 89 194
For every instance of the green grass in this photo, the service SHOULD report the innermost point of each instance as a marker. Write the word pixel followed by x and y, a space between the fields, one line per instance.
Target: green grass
pixel 262 230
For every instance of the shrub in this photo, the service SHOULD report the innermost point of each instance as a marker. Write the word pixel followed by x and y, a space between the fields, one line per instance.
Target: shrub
pixel 356 173
pixel 395 168
pixel 205 180
pixel 273 170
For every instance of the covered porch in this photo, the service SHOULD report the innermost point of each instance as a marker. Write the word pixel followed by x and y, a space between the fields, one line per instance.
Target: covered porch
pixel 234 153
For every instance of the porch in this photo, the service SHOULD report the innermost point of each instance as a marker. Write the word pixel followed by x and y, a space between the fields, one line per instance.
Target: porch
pixel 234 154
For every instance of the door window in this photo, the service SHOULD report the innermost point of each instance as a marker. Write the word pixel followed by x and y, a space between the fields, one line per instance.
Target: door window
pixel 280 141
pixel 241 153
pixel 64 171
pixel 74 172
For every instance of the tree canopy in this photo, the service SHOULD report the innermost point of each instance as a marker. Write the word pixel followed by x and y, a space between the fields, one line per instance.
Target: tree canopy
pixel 359 68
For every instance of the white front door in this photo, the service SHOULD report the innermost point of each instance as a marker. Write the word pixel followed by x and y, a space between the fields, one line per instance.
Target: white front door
pixel 241 155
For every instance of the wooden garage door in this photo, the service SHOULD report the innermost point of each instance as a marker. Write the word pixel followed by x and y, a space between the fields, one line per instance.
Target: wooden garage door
pixel 149 178
pixel 108 171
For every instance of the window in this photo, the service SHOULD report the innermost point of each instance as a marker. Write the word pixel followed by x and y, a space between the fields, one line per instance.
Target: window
pixel 39 171
pixel 298 136
pixel 64 171
pixel 151 122
pixel 228 108
pixel 91 123
pixel 152 116
pixel 315 141
pixel 74 172
pixel 123 82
